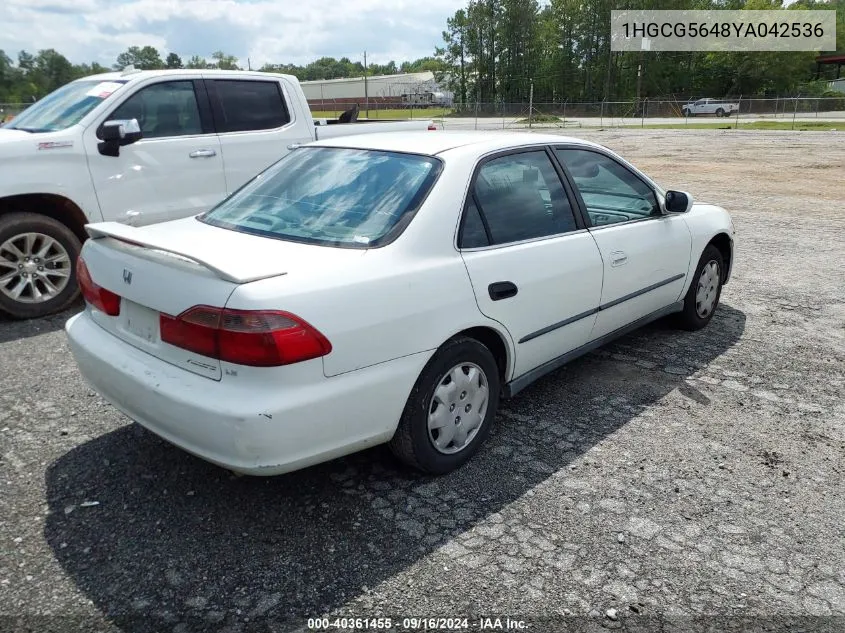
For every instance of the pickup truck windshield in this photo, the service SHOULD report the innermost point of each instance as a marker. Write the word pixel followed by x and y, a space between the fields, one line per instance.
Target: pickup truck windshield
pixel 64 107
pixel 330 196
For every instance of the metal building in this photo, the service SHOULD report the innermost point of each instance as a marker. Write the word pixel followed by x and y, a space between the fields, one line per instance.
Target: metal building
pixel 409 89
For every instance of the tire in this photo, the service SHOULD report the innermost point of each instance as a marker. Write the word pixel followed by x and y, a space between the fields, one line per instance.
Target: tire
pixel 694 316
pixel 414 443
pixel 720 113
pixel 53 248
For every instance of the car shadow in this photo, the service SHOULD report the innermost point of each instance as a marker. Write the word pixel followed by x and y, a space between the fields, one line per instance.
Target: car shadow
pixel 12 329
pixel 175 542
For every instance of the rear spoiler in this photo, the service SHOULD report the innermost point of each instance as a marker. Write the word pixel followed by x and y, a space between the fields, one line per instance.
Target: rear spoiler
pixel 131 235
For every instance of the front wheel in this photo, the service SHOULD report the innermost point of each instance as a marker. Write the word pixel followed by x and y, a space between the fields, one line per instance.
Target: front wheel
pixel 704 292
pixel 37 272
pixel 451 408
pixel 720 112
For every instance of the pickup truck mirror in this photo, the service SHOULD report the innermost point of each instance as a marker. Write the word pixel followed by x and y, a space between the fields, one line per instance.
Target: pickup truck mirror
pixel 117 133
pixel 677 202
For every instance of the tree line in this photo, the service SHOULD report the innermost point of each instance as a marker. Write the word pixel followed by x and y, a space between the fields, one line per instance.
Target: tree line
pixel 493 50
pixel 36 75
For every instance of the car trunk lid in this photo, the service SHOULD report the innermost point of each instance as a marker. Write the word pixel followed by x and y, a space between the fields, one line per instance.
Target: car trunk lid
pixel 171 267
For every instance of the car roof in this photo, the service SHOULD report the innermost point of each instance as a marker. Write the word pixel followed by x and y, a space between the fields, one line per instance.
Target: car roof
pixel 134 75
pixel 433 143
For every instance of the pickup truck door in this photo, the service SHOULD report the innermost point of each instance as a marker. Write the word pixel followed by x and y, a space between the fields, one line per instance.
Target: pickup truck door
pixel 646 253
pixel 255 124
pixel 174 171
pixel 533 266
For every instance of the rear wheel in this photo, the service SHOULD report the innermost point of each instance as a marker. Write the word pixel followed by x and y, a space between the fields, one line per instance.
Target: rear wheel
pixel 720 112
pixel 451 408
pixel 37 272
pixel 704 292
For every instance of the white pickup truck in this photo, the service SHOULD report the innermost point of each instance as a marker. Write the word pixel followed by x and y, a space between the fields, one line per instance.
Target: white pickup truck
pixel 709 106
pixel 137 147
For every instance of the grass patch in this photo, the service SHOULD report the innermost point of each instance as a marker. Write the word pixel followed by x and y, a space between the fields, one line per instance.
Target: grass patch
pixel 399 113
pixel 541 118
pixel 821 126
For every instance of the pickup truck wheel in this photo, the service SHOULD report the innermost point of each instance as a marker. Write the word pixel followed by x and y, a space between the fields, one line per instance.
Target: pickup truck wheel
pixel 704 292
pixel 37 265
pixel 451 408
pixel 720 112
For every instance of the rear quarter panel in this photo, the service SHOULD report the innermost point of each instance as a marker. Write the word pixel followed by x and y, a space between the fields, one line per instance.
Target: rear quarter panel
pixel 388 307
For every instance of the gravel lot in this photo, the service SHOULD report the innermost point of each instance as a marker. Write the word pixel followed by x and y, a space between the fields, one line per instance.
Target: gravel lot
pixel 672 480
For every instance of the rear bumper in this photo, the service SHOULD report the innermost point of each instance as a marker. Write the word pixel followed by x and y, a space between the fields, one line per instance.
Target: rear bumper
pixel 255 429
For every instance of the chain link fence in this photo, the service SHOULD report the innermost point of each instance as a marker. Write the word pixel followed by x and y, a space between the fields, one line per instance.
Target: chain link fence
pixel 610 113
pixel 566 113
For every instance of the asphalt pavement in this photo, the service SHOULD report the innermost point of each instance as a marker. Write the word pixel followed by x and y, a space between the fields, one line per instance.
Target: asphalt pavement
pixel 672 481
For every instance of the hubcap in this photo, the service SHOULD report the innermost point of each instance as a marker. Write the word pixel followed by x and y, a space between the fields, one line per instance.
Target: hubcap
pixel 708 289
pixel 458 408
pixel 33 268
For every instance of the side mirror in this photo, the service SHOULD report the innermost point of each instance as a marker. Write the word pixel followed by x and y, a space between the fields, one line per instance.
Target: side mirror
pixel 118 133
pixel 677 202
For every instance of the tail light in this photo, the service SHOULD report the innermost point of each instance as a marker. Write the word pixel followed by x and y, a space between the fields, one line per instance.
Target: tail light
pixel 102 299
pixel 432 127
pixel 259 338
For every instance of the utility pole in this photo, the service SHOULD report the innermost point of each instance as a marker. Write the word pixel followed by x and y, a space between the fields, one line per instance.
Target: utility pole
pixel 645 45
pixel 366 94
pixel 530 103
pixel 639 78
pixel 248 64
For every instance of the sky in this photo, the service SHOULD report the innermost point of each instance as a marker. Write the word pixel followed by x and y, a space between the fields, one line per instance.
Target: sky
pixel 265 31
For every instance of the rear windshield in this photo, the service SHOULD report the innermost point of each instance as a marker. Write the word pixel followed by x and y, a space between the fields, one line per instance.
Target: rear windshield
pixel 331 196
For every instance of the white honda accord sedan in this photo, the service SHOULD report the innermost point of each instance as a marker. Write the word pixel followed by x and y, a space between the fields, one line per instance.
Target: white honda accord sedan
pixel 386 288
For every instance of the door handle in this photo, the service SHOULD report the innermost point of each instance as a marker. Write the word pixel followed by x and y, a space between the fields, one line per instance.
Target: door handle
pixel 618 258
pixel 203 153
pixel 502 290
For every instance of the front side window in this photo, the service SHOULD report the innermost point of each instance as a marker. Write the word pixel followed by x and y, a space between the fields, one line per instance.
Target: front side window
pixel 64 107
pixel 163 109
pixel 249 105
pixel 330 196
pixel 520 197
pixel 611 192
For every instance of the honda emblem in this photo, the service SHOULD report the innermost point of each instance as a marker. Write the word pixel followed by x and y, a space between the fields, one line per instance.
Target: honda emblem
pixel 127 276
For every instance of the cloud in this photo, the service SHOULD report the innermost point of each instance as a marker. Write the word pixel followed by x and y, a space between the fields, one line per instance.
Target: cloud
pixel 265 31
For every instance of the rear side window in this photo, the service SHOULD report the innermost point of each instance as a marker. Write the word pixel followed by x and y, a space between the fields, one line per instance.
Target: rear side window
pixel 473 231
pixel 243 106
pixel 520 198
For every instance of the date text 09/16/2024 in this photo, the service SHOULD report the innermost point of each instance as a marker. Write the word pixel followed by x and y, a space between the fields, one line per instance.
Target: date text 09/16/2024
pixel 417 624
